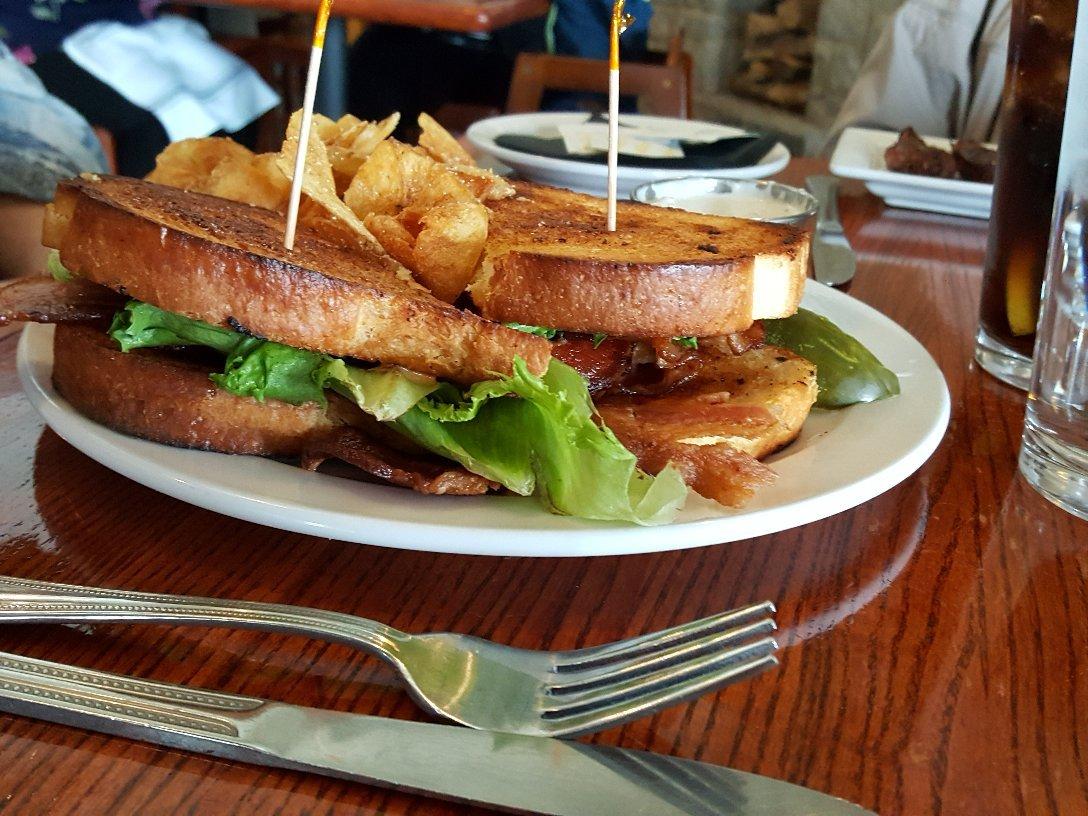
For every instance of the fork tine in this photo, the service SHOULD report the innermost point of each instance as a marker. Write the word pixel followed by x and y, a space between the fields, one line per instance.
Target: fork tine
pixel 628 692
pixel 634 708
pixel 648 663
pixel 580 659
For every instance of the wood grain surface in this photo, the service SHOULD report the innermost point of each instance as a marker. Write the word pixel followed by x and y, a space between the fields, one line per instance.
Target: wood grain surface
pixel 934 638
pixel 449 15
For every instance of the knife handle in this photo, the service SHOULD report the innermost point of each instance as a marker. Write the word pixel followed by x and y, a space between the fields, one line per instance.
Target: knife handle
pixel 158 712
pixel 826 190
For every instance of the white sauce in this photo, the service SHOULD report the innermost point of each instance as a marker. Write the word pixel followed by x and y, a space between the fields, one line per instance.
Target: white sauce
pixel 737 205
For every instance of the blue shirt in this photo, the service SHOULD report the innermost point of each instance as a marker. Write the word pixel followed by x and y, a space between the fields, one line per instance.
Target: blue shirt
pixel 581 28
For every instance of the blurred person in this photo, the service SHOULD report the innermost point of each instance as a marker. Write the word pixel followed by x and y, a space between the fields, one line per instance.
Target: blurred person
pixel 42 140
pixel 581 29
pixel 147 80
pixel 413 70
pixel 938 66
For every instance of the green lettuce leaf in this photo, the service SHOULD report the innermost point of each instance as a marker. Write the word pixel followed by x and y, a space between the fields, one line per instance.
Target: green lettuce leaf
pixel 266 370
pixel 544 441
pixel 531 434
pixel 539 331
pixel 846 371
pixel 385 393
pixel 55 268
pixel 141 325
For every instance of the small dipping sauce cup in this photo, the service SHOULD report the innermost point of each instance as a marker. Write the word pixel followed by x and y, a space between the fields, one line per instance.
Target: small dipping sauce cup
pixel 739 198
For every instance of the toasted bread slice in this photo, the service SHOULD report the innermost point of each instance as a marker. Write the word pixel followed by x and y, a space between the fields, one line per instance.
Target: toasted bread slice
pixel 738 410
pixel 159 396
pixel 549 261
pixel 223 262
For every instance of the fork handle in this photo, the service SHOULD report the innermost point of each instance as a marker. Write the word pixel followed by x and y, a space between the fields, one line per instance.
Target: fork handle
pixel 26 601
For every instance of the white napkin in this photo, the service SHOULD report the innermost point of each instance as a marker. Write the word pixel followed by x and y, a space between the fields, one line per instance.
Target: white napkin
pixel 592 137
pixel 171 67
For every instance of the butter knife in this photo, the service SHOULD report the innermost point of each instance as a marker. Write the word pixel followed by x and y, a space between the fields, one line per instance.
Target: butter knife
pixel 833 261
pixel 504 771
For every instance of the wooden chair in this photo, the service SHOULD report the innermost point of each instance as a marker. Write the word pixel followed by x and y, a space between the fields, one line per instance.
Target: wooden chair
pixel 677 56
pixel 663 86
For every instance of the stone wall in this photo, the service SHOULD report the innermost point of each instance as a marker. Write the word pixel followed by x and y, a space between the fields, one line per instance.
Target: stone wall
pixel 712 35
pixel 846 33
pixel 712 30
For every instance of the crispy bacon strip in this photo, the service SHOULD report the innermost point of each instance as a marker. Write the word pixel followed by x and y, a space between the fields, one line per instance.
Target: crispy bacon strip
pixel 618 365
pixel 39 299
pixel 421 472
pixel 603 366
pixel 718 472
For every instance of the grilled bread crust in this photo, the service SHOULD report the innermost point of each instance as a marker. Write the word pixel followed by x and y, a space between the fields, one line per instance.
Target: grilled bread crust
pixel 159 396
pixel 223 262
pixel 549 261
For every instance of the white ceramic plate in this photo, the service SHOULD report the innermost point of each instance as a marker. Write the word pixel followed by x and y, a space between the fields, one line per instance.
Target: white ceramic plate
pixel 859 154
pixel 841 459
pixel 590 177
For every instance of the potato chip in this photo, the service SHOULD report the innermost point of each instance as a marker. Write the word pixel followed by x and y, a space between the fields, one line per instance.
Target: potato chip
pixel 442 146
pixel 326 129
pixel 485 185
pixel 449 246
pixel 189 163
pixel 396 176
pixel 441 245
pixel 394 238
pixel 317 178
pixel 423 214
pixel 440 143
pixel 371 134
pixel 253 180
pixel 349 140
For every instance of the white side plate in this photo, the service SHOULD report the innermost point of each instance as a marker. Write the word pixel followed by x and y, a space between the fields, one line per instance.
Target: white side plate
pixel 842 458
pixel 591 177
pixel 859 154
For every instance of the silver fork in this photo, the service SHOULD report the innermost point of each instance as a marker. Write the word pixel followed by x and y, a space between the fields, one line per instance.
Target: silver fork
pixel 469 680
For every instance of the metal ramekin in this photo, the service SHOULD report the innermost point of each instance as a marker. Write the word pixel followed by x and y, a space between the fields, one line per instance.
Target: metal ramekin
pixel 673 192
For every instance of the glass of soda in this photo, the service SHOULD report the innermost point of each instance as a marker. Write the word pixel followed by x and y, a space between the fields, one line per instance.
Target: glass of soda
pixel 1029 135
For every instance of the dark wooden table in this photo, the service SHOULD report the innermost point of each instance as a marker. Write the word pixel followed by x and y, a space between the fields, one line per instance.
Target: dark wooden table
pixel 934 638
pixel 448 15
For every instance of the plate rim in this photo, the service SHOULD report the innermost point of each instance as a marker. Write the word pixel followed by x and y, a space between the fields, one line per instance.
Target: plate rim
pixel 147 463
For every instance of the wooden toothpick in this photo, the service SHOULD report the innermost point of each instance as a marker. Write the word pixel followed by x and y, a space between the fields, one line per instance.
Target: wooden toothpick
pixel 307 120
pixel 620 22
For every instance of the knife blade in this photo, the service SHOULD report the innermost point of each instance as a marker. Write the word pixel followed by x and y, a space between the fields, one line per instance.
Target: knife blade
pixel 833 260
pixel 504 771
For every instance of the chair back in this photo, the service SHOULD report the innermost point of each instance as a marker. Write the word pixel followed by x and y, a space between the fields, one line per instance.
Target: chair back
pixel 662 89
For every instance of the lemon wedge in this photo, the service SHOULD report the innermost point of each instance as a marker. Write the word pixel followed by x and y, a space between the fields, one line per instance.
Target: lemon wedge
pixel 1022 293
